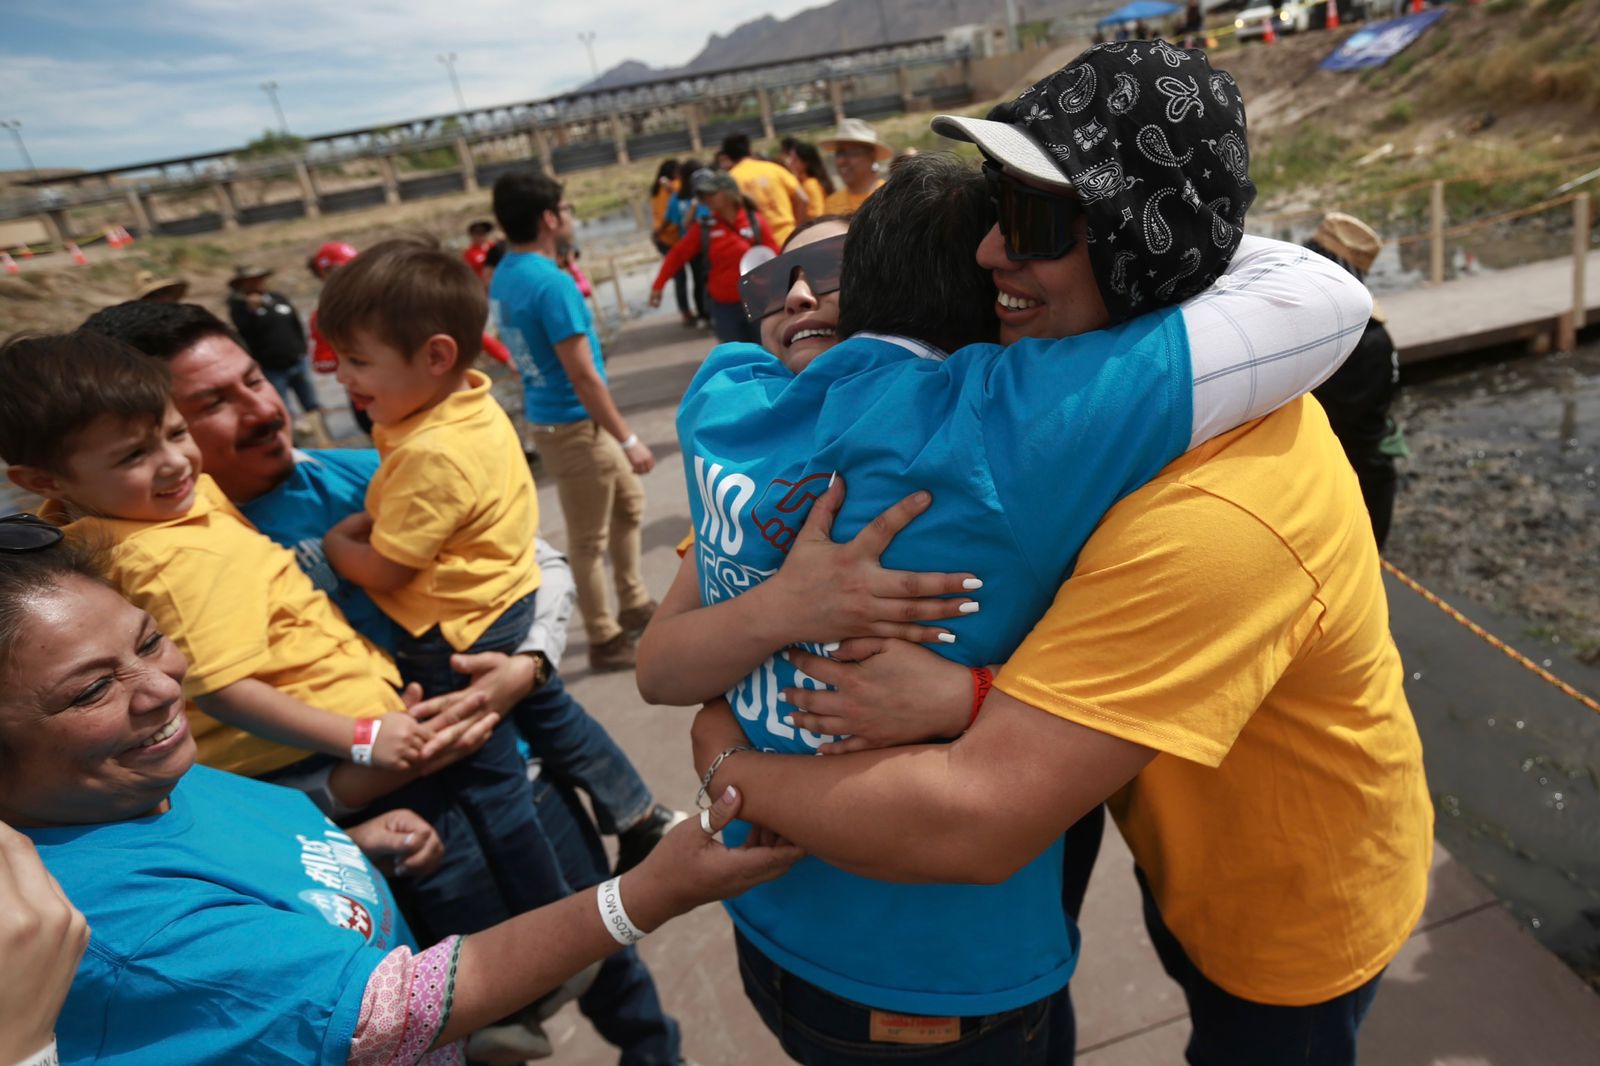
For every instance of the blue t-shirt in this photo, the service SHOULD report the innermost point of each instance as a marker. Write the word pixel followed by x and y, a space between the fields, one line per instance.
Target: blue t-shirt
pixel 536 305
pixel 1024 449
pixel 240 926
pixel 325 488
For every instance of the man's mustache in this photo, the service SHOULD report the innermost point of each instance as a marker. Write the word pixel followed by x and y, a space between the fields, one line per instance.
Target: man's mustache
pixel 263 433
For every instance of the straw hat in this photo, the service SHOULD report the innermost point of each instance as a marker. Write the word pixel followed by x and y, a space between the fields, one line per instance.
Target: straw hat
pixel 147 283
pixel 855 131
pixel 1349 238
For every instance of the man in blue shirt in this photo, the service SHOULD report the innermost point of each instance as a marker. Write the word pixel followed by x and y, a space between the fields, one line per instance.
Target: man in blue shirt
pixel 582 437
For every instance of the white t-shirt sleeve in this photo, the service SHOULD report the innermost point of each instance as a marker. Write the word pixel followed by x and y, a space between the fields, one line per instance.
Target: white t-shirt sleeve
pixel 1271 329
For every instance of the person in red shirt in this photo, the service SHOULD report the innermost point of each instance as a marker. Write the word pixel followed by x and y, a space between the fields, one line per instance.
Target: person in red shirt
pixel 732 229
pixel 481 236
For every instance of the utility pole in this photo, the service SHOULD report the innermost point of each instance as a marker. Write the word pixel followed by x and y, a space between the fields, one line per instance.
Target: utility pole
pixel 15 126
pixel 1011 24
pixel 449 61
pixel 587 37
pixel 271 89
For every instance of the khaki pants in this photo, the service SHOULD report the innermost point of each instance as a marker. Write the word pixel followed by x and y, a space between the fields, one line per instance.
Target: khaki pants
pixel 602 500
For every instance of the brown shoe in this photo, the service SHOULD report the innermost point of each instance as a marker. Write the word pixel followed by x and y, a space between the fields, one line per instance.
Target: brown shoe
pixel 635 619
pixel 618 653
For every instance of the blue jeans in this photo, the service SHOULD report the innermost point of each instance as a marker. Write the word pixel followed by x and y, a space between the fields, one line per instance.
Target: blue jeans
pixel 729 324
pixel 622 1003
pixel 576 750
pixel 1230 1031
pixel 296 379
pixel 818 1028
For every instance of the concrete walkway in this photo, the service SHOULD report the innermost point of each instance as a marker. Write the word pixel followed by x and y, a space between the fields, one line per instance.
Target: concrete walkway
pixel 1482 310
pixel 1469 988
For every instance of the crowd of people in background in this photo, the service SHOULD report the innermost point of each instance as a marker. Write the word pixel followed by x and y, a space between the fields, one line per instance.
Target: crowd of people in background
pixel 288 724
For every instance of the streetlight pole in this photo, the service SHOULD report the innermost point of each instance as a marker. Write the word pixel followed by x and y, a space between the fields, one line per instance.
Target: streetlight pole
pixel 449 61
pixel 271 89
pixel 587 37
pixel 15 126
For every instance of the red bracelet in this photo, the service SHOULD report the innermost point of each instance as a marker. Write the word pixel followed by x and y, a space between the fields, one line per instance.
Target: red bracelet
pixel 982 682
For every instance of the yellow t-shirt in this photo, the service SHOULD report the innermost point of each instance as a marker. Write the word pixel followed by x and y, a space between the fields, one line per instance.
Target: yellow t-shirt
pixel 845 202
pixel 453 499
pixel 814 194
pixel 237 605
pixel 769 185
pixel 1231 615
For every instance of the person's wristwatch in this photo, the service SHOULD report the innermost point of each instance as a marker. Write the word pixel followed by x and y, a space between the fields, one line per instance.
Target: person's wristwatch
pixel 541 670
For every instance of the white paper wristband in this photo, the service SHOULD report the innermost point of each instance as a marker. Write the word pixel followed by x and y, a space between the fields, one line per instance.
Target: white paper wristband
pixel 633 439
pixel 45 1056
pixel 617 922
pixel 366 741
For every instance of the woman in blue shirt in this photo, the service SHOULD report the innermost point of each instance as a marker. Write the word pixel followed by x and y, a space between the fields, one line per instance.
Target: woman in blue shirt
pixel 230 920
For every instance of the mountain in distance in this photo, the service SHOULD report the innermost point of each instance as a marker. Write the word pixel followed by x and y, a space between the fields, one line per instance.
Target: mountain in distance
pixel 837 27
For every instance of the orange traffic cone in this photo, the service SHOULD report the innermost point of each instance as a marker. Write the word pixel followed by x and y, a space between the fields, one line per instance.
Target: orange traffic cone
pixel 125 237
pixel 111 237
pixel 9 263
pixel 78 258
pixel 1333 14
pixel 25 252
pixel 1271 34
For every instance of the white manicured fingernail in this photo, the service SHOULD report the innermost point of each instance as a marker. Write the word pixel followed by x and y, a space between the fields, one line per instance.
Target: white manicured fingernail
pixel 788 719
pixel 832 478
pixel 970 607
pixel 972 583
pixel 947 638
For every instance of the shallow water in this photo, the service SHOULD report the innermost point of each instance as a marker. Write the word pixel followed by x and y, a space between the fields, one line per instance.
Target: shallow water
pixel 1499 512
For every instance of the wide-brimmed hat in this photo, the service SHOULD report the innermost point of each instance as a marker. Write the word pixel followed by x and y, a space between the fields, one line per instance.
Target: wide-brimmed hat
pixel 1349 238
pixel 855 131
pixel 247 273
pixel 146 283
pixel 1152 141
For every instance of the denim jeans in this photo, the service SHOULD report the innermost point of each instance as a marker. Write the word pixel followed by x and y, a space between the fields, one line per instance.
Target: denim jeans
pixel 680 280
pixel 818 1028
pixel 296 379
pixel 578 752
pixel 622 1003
pixel 1230 1031
pixel 729 324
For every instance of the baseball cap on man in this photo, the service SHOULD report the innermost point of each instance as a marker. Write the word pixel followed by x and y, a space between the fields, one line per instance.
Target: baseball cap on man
pixel 1151 140
pixel 706 182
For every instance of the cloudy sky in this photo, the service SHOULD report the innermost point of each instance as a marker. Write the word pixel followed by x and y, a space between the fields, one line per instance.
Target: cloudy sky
pixel 97 83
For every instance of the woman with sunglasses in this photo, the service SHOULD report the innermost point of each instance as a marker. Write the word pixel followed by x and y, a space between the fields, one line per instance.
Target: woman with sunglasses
pixel 212 896
pixel 1023 449
pixel 732 229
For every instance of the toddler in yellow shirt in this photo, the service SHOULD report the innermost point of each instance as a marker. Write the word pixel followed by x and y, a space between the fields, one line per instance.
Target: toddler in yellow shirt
pixel 276 673
pixel 446 544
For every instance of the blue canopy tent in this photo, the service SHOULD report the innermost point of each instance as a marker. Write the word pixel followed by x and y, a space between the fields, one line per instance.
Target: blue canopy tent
pixel 1140 10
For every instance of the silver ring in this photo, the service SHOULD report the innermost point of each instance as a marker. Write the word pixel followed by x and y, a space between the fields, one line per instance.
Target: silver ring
pixel 705 823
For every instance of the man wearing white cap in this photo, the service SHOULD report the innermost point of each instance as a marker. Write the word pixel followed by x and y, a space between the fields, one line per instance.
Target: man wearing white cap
pixel 859 156
pixel 1219 664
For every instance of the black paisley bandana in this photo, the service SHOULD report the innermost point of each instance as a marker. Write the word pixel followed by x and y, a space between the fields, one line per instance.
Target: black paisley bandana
pixel 1154 142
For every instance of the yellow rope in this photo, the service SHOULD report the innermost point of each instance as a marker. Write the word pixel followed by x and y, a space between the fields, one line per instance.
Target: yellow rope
pixel 1492 640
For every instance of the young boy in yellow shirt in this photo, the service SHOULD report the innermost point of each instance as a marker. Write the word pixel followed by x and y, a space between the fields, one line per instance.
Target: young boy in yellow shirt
pixel 446 544
pixel 276 674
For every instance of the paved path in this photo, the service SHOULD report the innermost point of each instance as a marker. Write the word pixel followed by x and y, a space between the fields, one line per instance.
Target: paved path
pixel 1469 988
pixel 1492 308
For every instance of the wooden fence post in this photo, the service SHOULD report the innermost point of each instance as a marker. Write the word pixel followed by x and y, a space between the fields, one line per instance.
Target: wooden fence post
pixel 1436 241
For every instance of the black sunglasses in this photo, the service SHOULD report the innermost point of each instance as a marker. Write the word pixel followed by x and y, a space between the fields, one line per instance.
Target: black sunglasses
pixel 23 532
pixel 1035 224
pixel 766 288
